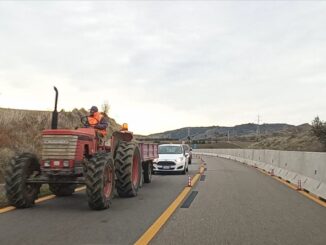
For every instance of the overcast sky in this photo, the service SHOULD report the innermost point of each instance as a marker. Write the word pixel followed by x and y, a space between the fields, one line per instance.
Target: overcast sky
pixel 163 64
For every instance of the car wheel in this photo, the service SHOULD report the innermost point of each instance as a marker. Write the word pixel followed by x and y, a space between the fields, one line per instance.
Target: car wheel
pixel 183 172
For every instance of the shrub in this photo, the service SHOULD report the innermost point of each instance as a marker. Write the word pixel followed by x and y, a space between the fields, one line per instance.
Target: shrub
pixel 319 130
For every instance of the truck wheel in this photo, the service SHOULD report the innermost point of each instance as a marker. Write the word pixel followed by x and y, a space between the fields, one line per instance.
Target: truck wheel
pixel 128 169
pixel 62 190
pixel 147 172
pixel 100 181
pixel 142 181
pixel 19 193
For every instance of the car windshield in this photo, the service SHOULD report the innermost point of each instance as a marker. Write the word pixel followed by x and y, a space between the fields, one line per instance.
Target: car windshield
pixel 169 149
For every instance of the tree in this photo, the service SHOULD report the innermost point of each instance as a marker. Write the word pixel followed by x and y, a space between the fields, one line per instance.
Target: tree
pixel 319 130
pixel 106 107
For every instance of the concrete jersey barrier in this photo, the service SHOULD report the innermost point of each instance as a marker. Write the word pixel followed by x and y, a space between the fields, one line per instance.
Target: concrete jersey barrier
pixel 306 168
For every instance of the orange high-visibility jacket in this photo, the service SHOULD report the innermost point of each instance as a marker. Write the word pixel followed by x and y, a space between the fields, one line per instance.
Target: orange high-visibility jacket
pixel 98 122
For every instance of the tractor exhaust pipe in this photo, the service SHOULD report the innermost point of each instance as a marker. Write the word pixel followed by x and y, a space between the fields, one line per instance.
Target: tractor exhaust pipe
pixel 54 123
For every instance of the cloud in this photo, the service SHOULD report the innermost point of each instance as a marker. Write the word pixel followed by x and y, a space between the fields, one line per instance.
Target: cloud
pixel 163 65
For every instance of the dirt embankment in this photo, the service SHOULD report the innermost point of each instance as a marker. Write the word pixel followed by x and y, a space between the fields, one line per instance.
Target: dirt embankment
pixel 299 138
pixel 20 130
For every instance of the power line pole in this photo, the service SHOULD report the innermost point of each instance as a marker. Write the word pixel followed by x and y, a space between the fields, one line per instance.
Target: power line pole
pixel 258 126
pixel 188 138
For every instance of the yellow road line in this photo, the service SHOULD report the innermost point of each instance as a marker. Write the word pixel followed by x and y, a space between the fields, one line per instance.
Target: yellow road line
pixel 45 198
pixel 202 169
pixel 306 194
pixel 7 209
pixel 294 187
pixel 41 199
pixel 80 188
pixel 313 198
pixel 157 225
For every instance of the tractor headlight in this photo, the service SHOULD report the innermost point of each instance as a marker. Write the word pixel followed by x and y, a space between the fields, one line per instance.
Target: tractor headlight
pixel 47 164
pixel 66 163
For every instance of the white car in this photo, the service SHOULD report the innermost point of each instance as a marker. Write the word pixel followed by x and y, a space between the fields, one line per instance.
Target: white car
pixel 172 158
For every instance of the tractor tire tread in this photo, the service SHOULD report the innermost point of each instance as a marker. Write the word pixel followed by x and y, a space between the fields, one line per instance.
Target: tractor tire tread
pixel 14 178
pixel 123 164
pixel 94 181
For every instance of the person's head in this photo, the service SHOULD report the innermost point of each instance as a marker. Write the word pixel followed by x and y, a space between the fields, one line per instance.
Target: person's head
pixel 93 110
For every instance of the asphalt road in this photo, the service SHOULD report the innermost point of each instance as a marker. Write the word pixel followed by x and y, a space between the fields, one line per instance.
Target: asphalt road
pixel 236 204
pixel 68 220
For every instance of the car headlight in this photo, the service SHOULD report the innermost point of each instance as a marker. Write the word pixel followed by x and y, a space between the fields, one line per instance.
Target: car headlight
pixel 180 159
pixel 155 160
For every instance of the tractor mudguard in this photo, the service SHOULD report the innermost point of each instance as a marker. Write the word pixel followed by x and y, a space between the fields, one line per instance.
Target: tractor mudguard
pixel 118 136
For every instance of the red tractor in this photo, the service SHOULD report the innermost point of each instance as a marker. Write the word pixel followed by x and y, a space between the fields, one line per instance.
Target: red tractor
pixel 78 157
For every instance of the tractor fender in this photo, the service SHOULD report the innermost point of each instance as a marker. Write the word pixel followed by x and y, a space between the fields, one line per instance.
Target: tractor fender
pixel 118 136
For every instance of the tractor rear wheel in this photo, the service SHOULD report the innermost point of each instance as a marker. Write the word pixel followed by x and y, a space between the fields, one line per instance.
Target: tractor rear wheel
pixel 62 190
pixel 128 169
pixel 19 193
pixel 147 172
pixel 100 181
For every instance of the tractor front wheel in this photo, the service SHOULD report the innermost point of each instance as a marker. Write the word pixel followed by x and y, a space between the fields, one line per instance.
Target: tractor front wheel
pixel 128 169
pixel 20 193
pixel 62 190
pixel 100 181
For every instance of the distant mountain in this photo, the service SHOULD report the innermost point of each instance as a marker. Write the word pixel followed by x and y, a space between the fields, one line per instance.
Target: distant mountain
pixel 212 132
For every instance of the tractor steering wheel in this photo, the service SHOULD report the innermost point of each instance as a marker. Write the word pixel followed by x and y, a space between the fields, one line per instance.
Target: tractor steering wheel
pixel 84 121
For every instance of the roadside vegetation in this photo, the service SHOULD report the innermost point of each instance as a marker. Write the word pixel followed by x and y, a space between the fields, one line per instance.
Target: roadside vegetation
pixel 319 131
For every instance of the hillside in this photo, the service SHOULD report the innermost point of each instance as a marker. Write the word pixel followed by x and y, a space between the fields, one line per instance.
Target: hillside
pixel 298 138
pixel 213 132
pixel 20 130
pixel 272 136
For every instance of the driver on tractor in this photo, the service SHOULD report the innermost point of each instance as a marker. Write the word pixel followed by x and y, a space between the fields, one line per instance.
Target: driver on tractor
pixel 97 121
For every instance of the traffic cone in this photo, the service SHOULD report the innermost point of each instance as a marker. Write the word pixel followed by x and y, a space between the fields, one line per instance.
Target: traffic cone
pixel 299 187
pixel 272 172
pixel 189 181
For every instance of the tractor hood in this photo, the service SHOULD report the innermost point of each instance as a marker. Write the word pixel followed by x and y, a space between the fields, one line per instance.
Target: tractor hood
pixel 80 132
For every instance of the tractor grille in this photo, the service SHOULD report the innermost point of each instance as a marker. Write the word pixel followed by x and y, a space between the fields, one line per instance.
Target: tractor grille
pixel 59 147
pixel 166 163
